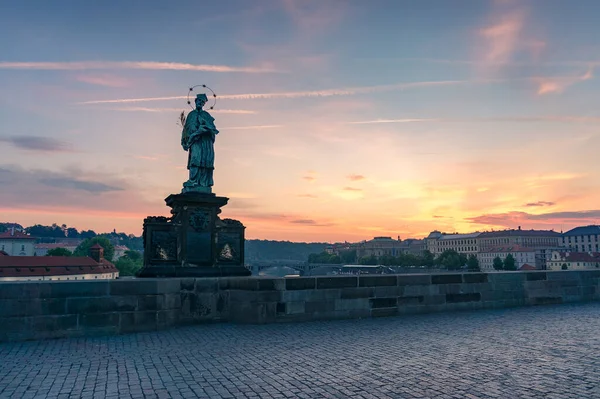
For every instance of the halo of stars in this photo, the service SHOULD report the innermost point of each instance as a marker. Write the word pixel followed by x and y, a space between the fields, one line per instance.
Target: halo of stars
pixel 213 95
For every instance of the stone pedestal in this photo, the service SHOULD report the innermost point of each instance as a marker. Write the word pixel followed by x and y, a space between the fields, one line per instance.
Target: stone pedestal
pixel 194 242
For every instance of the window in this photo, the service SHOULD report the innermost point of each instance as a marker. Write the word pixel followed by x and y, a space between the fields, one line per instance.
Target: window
pixel 22 247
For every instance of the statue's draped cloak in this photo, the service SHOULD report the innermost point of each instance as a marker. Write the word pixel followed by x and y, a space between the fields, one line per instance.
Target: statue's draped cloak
pixel 197 137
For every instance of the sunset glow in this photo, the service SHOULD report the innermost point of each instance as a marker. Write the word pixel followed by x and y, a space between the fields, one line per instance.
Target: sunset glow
pixel 339 120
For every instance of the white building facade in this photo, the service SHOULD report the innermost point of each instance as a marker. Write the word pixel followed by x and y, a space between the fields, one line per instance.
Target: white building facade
pixel 522 255
pixel 466 244
pixel 16 243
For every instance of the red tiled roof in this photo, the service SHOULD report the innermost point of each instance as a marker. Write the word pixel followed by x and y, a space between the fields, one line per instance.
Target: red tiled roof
pixel 17 235
pixel 527 266
pixel 14 266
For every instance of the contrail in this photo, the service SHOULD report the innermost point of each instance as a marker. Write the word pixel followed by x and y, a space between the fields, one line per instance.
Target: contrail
pixel 297 94
pixel 152 65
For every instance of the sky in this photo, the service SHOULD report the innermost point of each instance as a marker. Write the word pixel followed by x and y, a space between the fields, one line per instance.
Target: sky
pixel 338 120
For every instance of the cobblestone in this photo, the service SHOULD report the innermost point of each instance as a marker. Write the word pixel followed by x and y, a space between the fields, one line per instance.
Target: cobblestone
pixel 537 352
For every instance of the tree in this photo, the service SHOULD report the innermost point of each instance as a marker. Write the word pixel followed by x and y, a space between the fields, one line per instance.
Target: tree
pixel 368 260
pixel 564 266
pixel 84 248
pixel 59 252
pixel 451 260
pixel 127 267
pixel 498 264
pixel 325 258
pixel 87 234
pixel 410 260
pixel 509 263
pixel 427 259
pixel 473 263
pixel 387 260
pixel 72 232
pixel 3 228
pixel 348 257
pixel 133 255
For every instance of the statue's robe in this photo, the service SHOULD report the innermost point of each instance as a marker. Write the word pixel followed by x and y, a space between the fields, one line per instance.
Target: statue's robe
pixel 198 137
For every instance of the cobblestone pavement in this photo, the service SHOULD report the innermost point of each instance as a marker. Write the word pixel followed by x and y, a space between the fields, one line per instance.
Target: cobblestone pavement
pixel 541 352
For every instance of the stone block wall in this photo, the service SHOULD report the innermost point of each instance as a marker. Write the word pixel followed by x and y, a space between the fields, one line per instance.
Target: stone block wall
pixel 314 298
pixel 37 310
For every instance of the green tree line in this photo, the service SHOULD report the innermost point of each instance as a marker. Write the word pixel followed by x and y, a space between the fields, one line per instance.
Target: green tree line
pixel 449 259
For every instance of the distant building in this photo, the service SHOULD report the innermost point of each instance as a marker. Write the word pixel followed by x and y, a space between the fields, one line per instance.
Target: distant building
pixel 43 248
pixel 438 242
pixel 524 238
pixel 16 243
pixel 523 256
pixel 119 251
pixel 379 246
pixel 58 268
pixel 582 239
pixel 574 260
pixel 414 246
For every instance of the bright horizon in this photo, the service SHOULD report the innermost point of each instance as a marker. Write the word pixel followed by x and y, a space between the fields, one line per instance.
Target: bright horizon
pixel 339 120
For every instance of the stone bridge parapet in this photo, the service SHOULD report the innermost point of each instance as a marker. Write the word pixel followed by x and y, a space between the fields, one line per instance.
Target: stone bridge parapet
pixel 40 310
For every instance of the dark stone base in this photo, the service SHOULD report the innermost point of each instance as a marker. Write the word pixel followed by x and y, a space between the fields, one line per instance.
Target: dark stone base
pixel 189 271
pixel 194 241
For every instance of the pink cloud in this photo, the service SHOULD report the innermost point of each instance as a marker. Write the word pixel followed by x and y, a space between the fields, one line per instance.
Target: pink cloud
pixel 558 85
pixel 356 177
pixel 104 80
pixel 502 37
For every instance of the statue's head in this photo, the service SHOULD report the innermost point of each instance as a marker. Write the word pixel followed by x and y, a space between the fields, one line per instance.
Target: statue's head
pixel 201 99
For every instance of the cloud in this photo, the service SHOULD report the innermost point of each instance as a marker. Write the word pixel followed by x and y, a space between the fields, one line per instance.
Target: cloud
pixel 548 85
pixel 76 184
pixel 301 94
pixel 309 178
pixel 38 143
pixel 540 203
pixel 377 121
pixel 149 109
pixel 310 222
pixel 104 80
pixel 511 219
pixel 519 63
pixel 352 189
pixel 252 127
pixel 524 119
pixel 307 196
pixel 502 37
pixel 150 65
pixel 73 181
pixel 303 221
pixel 356 177
pixel 84 199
